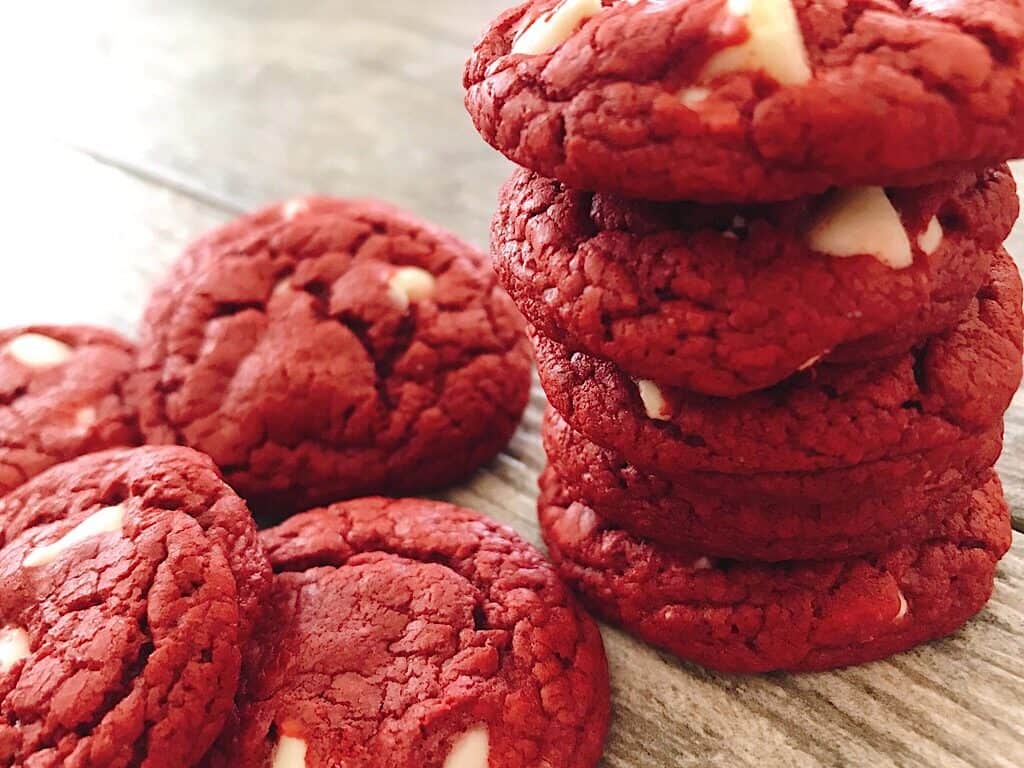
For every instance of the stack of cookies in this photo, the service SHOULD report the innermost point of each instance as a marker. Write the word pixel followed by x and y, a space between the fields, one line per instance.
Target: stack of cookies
pixel 760 246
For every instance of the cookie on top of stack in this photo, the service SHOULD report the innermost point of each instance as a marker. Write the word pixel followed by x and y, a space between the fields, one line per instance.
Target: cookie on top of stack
pixel 760 246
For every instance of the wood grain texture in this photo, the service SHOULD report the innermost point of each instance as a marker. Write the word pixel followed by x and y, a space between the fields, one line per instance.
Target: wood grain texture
pixel 146 122
pixel 248 101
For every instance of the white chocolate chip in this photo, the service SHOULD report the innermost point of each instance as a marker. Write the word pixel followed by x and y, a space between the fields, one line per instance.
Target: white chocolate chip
pixel 38 351
pixel 85 417
pixel 694 95
pixel 903 608
pixel 14 646
pixel 284 285
pixel 930 240
pixel 554 28
pixel 862 221
pixel 289 753
pixel 471 749
pixel 410 284
pixel 934 7
pixel 775 44
pixel 582 525
pixel 105 520
pixel 293 208
pixel 653 399
pixel 702 564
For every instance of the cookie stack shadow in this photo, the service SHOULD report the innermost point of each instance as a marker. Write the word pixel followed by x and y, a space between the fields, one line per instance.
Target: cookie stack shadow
pixel 773 423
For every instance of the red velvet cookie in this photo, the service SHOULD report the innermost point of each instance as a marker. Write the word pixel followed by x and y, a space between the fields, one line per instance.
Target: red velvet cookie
pixel 750 100
pixel 682 513
pixel 848 485
pixel 119 629
pixel 414 634
pixel 809 615
pixel 324 348
pixel 61 396
pixel 956 385
pixel 727 300
pixel 152 477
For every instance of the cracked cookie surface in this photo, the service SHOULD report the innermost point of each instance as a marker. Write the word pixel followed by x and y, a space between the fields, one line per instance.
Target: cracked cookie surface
pixel 954 386
pixel 637 98
pixel 119 629
pixel 61 396
pixel 797 616
pixel 322 349
pixel 726 300
pixel 407 633
pixel 159 477
pixel 687 512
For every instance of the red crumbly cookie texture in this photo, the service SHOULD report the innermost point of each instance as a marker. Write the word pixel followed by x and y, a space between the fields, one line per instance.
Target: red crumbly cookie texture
pixel 154 477
pixel 397 626
pixel 956 385
pixel 796 616
pixel 900 94
pixel 277 347
pixel 726 300
pixel 53 413
pixel 847 485
pixel 132 638
pixel 676 513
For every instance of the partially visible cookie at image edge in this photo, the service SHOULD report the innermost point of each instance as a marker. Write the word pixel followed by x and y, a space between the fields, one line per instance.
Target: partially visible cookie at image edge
pixel 62 395
pixel 122 618
pixel 414 633
pixel 749 100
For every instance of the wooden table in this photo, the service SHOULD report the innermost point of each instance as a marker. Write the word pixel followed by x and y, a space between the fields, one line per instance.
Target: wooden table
pixel 132 125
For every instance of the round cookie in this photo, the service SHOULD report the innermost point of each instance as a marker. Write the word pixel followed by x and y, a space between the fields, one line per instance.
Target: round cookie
pixel 956 385
pixel 726 300
pixel 322 348
pixel 153 477
pixel 749 100
pixel 119 633
pixel 796 616
pixel 408 633
pixel 683 514
pixel 61 396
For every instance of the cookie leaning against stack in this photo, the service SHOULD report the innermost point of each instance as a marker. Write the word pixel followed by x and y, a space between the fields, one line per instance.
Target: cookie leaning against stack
pixel 778 392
